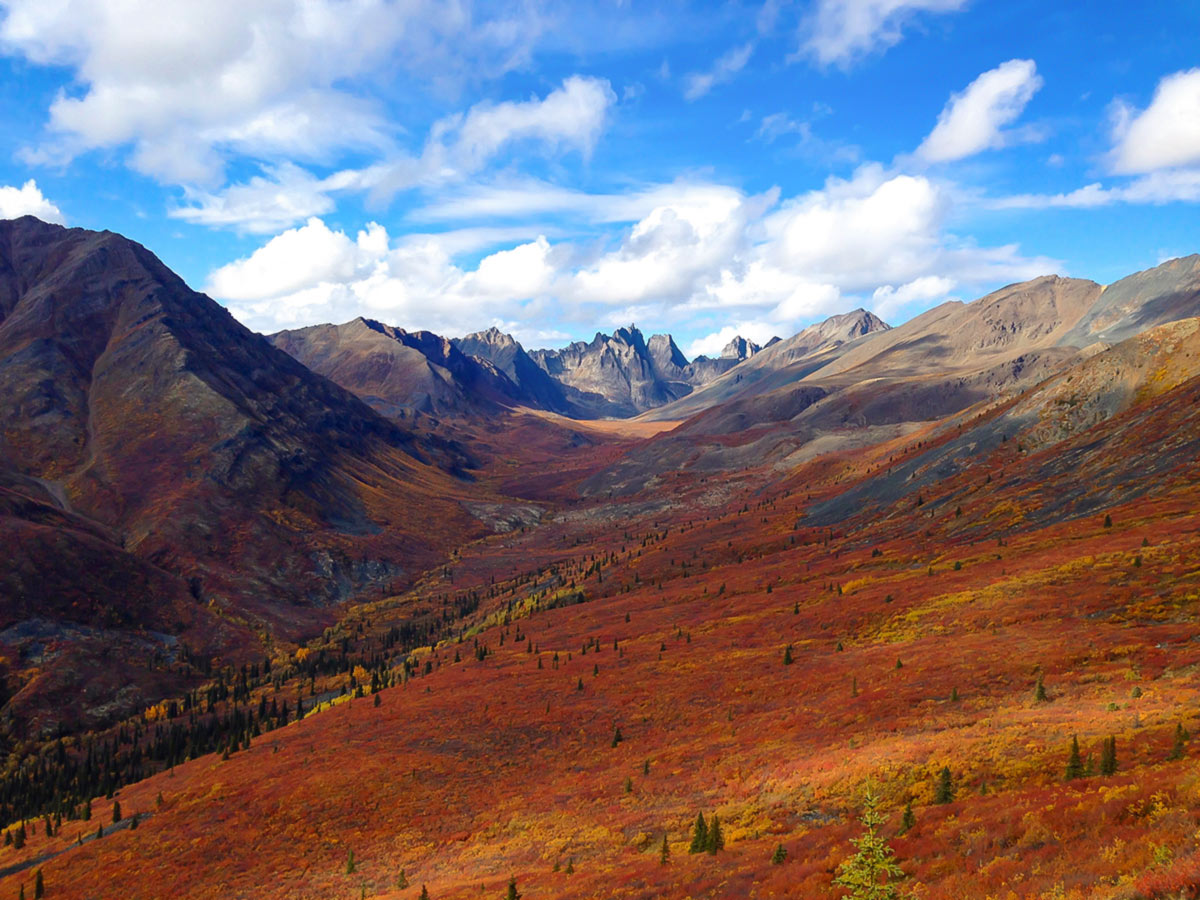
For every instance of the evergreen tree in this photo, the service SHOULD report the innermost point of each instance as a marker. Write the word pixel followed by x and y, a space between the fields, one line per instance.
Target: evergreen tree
pixel 1039 691
pixel 1177 749
pixel 350 864
pixel 944 792
pixel 1074 763
pixel 908 819
pixel 872 873
pixel 512 893
pixel 646 767
pixel 664 854
pixel 21 893
pixel 570 865
pixel 617 736
pixel 401 880
pixel 716 840
pixel 699 835
pixel 1108 757
pixel 779 856
pixel 787 655
pixel 116 811
pixel 424 893
pixel 39 886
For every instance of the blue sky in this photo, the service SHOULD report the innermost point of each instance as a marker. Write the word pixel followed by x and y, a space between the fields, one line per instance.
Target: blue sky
pixel 561 168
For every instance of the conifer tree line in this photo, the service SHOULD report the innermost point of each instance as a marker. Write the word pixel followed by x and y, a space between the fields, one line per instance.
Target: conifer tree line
pixel 223 717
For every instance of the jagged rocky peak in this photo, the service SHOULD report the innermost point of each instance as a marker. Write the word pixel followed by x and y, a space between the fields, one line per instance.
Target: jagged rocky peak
pixel 740 348
pixel 666 353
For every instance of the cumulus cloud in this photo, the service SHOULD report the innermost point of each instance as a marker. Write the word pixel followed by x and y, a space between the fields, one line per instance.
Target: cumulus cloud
pixel 1164 135
pixel 698 252
pixel 185 85
pixel 974 120
pixel 28 200
pixel 840 32
pixel 571 117
pixel 697 84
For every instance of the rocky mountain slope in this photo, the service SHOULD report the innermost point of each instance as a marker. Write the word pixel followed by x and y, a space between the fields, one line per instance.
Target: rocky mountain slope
pixel 886 383
pixel 147 432
pixel 624 374
pixel 400 372
pixel 538 389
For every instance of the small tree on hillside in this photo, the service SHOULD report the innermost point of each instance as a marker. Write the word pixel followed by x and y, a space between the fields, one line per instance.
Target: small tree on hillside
pixel 699 835
pixel 664 855
pixel 716 840
pixel 512 893
pixel 1074 763
pixel 1039 691
pixel 1108 757
pixel 944 791
pixel 1181 738
pixel 872 872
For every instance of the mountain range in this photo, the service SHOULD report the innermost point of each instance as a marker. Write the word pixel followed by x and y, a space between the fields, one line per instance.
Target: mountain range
pixel 636 586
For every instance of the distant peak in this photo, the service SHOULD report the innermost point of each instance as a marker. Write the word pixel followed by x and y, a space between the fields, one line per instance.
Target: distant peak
pixel 739 348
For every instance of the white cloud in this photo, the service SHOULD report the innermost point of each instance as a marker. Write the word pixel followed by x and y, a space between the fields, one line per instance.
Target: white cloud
pixel 1157 188
pixel 27 200
pixel 697 84
pixel 1164 135
pixel 842 31
pixel 973 121
pixel 699 253
pixel 571 117
pixel 187 84
pixel 779 124
pixel 887 300
pixel 281 196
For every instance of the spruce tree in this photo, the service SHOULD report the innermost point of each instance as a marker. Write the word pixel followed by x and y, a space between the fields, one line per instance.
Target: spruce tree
pixel 1039 691
pixel 699 835
pixel 39 886
pixel 715 837
pixel 908 819
pixel 350 864
pixel 787 655
pixel 716 840
pixel 944 792
pixel 872 873
pixel 512 893
pixel 424 893
pixel 1108 757
pixel 1181 736
pixel 779 856
pixel 1074 763
pixel 116 811
pixel 664 854
pixel 401 880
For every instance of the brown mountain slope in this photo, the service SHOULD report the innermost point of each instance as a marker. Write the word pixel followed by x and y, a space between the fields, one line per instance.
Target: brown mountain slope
pixel 778 364
pixel 267 492
pixel 399 372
